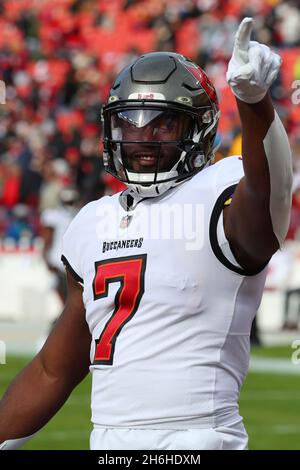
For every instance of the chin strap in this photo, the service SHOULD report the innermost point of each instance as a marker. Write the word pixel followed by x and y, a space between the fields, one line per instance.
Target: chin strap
pixel 140 192
pixel 135 193
pixel 129 199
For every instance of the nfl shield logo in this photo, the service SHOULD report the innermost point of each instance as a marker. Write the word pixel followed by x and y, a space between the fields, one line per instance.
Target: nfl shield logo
pixel 125 221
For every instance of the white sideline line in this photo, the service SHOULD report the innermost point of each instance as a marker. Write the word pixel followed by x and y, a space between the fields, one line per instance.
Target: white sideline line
pixel 270 394
pixel 276 366
pixel 64 435
pixel 278 429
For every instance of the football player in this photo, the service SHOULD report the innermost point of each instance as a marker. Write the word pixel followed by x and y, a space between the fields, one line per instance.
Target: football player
pixel 165 329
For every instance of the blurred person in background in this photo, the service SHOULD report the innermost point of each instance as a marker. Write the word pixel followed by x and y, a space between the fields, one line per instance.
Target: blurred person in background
pixel 55 172
pixel 19 227
pixel 291 316
pixel 11 181
pixel 55 220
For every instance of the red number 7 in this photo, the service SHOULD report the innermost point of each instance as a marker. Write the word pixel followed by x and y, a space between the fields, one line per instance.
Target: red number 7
pixel 130 272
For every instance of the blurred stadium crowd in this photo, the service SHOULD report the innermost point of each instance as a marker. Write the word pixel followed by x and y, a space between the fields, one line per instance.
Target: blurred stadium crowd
pixel 58 59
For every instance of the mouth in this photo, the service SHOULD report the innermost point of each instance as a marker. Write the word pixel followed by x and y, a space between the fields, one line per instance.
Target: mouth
pixel 145 159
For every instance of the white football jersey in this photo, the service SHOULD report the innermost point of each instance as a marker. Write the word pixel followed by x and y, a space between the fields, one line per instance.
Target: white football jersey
pixel 168 307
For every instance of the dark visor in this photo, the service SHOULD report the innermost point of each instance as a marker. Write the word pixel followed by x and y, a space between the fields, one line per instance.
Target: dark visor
pixel 150 124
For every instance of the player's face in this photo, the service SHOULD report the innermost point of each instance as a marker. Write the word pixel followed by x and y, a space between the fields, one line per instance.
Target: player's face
pixel 148 127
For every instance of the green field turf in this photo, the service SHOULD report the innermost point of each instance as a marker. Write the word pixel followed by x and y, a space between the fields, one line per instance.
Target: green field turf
pixel 270 405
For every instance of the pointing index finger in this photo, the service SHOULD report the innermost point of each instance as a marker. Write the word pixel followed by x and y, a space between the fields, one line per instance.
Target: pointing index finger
pixel 242 37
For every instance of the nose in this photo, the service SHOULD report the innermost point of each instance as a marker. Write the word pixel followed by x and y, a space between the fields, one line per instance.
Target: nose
pixel 149 132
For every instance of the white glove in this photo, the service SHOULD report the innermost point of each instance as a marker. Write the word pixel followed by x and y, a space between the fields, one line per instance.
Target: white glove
pixel 13 444
pixel 253 66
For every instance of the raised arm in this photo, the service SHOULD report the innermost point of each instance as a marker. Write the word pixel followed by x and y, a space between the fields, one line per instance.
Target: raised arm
pixel 257 220
pixel 44 385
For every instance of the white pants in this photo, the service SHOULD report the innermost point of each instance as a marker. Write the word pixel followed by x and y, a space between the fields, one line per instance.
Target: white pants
pixel 232 437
